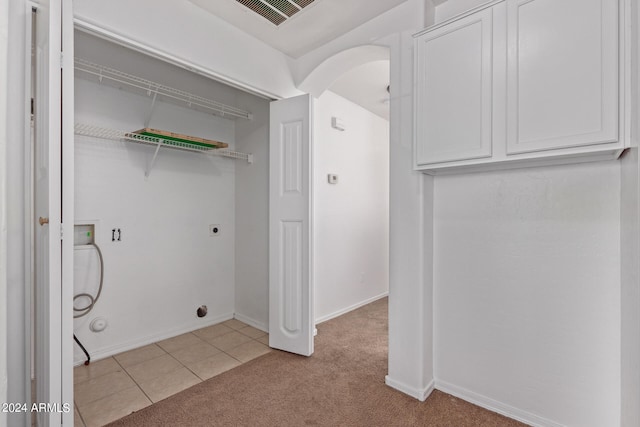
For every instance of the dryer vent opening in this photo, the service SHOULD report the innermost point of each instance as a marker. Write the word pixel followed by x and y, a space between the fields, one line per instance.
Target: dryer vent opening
pixel 201 311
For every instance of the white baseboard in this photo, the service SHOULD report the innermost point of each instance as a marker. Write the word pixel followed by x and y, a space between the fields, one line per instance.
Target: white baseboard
pixel 420 394
pixel 350 308
pixel 495 406
pixel 252 322
pixel 103 353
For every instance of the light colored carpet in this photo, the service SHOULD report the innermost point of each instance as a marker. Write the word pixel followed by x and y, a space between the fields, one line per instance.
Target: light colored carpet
pixel 342 384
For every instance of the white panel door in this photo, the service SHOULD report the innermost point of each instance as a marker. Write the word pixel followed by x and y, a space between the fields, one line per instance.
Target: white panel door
pixel 562 74
pixel 291 321
pixel 53 302
pixel 454 90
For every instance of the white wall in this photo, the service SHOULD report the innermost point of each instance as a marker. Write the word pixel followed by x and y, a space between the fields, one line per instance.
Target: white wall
pixel 586 351
pixel 166 265
pixel 410 240
pixel 527 292
pixel 252 215
pixel 630 291
pixel 4 56
pixel 630 248
pixel 351 218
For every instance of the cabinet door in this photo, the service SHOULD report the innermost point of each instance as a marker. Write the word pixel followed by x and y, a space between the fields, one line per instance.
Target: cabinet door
pixel 562 74
pixel 453 91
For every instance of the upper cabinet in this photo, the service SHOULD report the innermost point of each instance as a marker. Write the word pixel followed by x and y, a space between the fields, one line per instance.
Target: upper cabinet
pixel 454 86
pixel 519 83
pixel 562 74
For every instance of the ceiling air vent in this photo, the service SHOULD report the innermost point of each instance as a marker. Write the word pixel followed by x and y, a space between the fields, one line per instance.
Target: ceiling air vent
pixel 276 11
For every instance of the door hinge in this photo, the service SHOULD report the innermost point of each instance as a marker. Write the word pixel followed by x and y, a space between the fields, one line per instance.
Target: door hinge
pixel 61 59
pixel 61 231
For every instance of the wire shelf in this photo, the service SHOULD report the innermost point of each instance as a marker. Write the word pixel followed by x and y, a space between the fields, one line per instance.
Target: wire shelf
pixel 191 100
pixel 117 135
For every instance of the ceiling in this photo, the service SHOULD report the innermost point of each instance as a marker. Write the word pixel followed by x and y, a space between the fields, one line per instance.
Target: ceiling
pixel 317 24
pixel 366 85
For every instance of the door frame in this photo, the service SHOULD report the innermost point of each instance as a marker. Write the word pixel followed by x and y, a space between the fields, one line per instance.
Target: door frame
pixel 29 202
pixel 68 204
pixel 62 374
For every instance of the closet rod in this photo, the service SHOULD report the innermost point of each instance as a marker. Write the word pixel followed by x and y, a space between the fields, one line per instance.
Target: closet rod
pixel 103 72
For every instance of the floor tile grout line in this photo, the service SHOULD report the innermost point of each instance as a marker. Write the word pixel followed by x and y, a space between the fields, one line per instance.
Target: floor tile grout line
pixel 168 354
pixel 146 360
pixel 253 338
pixel 234 358
pixel 135 386
pixel 139 387
pixel 217 348
pixel 111 392
pixel 99 376
pixel 186 333
pixel 243 362
pixel 193 345
pixel 186 367
pixel 77 408
pixel 217 336
pixel 235 346
pixel 214 355
pixel 180 363
pixel 134 381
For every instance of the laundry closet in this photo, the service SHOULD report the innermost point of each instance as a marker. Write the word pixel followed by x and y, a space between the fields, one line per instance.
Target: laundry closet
pixel 181 226
pixel 169 229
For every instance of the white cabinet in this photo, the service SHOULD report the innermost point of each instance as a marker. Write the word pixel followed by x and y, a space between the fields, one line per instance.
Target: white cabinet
pixel 454 99
pixel 562 74
pixel 518 83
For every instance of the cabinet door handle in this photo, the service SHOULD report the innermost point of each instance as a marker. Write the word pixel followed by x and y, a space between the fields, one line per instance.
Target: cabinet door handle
pixel 43 221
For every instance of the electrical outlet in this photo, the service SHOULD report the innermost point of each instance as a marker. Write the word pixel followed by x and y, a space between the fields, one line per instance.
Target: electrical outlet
pixel 116 235
pixel 214 230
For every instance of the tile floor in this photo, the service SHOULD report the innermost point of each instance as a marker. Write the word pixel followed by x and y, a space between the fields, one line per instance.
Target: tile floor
pixel 111 388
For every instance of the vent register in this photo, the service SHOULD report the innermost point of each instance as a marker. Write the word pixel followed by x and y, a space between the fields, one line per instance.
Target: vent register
pixel 276 11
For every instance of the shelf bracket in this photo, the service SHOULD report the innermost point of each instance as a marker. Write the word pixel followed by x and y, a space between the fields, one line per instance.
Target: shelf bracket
pixel 153 161
pixel 151 109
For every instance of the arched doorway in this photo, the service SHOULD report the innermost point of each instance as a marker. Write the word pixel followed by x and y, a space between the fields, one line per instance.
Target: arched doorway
pixel 351 179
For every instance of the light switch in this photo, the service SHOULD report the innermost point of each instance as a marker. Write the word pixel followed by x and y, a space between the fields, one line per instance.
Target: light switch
pixel 332 178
